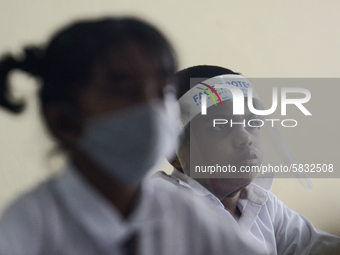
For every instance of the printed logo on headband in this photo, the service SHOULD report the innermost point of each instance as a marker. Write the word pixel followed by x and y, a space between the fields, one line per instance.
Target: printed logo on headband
pixel 225 94
pixel 238 88
pixel 213 90
pixel 235 86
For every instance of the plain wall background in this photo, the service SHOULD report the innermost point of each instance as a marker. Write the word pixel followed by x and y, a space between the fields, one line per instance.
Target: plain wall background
pixel 257 38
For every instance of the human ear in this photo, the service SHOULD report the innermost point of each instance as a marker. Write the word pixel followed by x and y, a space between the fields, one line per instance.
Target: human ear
pixel 65 128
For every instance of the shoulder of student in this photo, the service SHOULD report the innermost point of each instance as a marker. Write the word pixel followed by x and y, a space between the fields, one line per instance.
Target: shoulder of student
pixel 28 222
pixel 202 224
pixel 22 223
pixel 295 234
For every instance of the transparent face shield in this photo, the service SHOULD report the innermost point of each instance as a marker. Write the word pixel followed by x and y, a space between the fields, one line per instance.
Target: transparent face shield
pixel 230 139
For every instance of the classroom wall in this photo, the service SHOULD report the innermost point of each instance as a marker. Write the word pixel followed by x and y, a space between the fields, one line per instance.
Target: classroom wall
pixel 262 39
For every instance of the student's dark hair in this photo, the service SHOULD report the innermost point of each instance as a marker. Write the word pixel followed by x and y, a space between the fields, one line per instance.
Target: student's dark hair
pixel 65 64
pixel 201 71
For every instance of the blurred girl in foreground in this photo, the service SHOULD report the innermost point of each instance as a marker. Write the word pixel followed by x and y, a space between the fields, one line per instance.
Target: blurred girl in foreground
pixel 107 97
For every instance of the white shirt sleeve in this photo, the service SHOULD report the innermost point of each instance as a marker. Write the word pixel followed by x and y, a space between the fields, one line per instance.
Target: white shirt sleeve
pixel 295 234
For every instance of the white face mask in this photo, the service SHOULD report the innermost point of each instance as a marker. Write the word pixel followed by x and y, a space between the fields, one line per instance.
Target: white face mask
pixel 126 145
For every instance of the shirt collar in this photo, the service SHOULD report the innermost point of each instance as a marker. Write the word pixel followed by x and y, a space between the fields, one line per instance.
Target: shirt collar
pixel 96 215
pixel 189 182
pixel 249 203
pixel 253 192
pixel 196 188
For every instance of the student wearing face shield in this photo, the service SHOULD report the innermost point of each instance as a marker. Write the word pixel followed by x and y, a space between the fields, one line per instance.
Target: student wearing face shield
pixel 218 146
pixel 107 98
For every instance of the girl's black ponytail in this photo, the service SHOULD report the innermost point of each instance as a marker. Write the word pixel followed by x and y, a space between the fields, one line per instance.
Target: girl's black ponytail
pixel 65 64
pixel 32 63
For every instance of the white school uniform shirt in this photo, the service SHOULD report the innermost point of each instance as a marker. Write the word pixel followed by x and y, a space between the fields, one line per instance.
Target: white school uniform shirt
pixel 66 215
pixel 278 229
